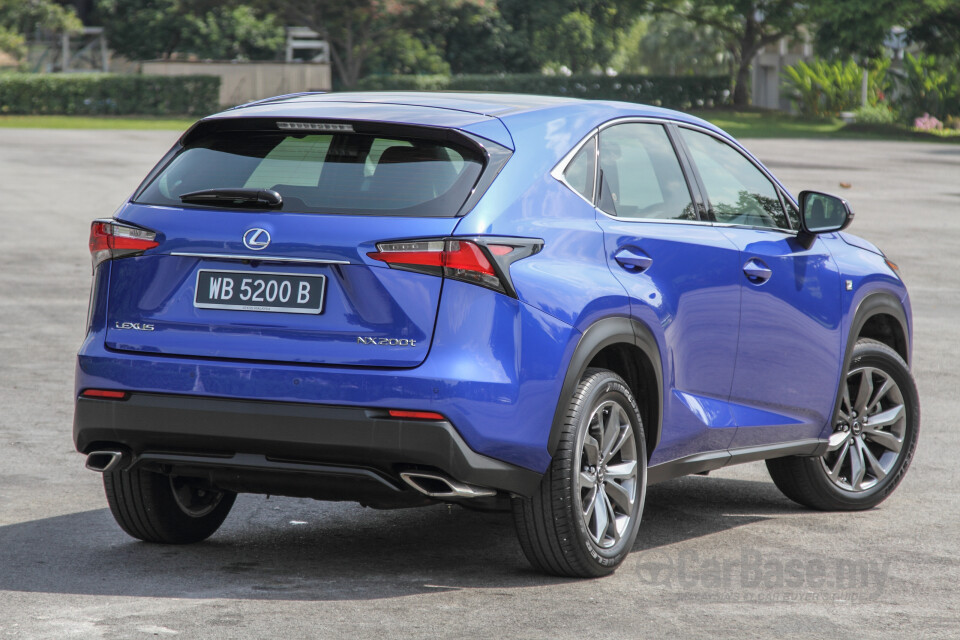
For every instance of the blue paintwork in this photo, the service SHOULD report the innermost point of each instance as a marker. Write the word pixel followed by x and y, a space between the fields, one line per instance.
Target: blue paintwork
pixel 693 314
pixel 745 361
pixel 788 358
pixel 362 298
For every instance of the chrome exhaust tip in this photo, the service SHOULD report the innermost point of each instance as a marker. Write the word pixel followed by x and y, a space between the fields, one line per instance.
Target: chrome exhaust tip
pixel 436 485
pixel 103 461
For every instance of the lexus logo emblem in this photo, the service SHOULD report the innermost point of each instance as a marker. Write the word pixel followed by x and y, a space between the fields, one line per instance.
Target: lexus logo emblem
pixel 256 239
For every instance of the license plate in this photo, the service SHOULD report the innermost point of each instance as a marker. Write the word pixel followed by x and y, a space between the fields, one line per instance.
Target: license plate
pixel 258 291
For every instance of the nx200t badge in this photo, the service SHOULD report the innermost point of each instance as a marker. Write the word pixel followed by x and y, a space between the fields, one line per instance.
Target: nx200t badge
pixel 136 326
pixel 387 342
pixel 256 239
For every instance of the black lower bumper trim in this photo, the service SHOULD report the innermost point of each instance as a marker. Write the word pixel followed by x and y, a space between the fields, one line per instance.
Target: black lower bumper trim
pixel 281 448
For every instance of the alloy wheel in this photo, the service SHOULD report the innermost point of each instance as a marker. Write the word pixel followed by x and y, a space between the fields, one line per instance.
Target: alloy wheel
pixel 193 500
pixel 607 480
pixel 869 433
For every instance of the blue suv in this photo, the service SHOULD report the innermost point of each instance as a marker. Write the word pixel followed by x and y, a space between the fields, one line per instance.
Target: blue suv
pixel 499 301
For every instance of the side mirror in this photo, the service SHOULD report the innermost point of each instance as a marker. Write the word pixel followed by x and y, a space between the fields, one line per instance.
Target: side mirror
pixel 821 213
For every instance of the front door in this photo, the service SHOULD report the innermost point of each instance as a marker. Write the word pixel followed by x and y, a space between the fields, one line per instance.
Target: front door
pixel 789 354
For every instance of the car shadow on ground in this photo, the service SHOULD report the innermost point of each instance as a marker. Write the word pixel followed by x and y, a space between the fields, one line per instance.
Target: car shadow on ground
pixel 285 549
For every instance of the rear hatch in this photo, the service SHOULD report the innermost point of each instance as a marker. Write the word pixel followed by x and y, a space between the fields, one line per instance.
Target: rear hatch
pixel 238 275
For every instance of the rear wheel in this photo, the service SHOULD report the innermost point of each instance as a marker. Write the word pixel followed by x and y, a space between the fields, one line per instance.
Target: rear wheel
pixel 584 519
pixel 165 509
pixel 874 437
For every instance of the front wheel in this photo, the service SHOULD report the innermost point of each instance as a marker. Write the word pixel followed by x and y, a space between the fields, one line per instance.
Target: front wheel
pixel 584 519
pixel 165 509
pixel 873 441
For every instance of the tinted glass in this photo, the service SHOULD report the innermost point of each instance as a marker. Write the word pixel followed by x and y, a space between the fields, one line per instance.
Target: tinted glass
pixel 330 173
pixel 738 191
pixel 581 171
pixel 640 174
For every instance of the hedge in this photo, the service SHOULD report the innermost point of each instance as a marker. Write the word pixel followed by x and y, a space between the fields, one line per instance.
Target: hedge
pixel 681 92
pixel 108 94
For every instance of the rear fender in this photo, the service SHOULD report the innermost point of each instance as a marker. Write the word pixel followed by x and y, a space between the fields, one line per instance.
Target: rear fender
pixel 602 334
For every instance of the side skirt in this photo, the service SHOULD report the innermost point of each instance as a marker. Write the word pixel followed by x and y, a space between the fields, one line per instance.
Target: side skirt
pixel 710 460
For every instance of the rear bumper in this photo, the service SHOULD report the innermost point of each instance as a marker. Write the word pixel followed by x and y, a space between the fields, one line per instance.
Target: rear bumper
pixel 284 448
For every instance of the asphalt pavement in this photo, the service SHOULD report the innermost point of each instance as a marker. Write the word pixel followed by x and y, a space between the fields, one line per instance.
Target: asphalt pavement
pixel 719 556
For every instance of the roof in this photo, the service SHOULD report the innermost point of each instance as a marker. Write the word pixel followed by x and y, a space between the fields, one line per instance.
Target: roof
pixel 479 103
pixel 489 115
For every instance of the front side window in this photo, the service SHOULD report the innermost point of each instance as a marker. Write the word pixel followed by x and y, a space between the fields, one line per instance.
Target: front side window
pixel 348 173
pixel 640 175
pixel 738 191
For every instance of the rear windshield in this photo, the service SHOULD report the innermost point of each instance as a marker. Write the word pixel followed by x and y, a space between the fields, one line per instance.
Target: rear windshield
pixel 346 173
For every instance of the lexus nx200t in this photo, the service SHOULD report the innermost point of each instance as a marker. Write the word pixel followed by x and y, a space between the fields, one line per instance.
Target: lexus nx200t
pixel 500 301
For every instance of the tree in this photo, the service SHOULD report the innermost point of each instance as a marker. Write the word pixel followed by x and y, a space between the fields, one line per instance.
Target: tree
pixel 746 26
pixel 401 52
pixel 21 17
pixel 353 29
pixel 938 29
pixel 236 33
pixel 470 35
pixel 580 34
pixel 667 45
pixel 150 29
pixel 857 28
pixel 142 29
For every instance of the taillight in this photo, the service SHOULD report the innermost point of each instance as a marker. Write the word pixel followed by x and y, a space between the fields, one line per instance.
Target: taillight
pixel 110 239
pixel 482 261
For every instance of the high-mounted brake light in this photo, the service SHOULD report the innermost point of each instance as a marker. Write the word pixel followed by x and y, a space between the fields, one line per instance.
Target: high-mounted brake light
pixel 477 260
pixel 110 239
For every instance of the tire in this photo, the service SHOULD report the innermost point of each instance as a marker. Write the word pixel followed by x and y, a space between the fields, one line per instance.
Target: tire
pixel 146 506
pixel 868 457
pixel 556 534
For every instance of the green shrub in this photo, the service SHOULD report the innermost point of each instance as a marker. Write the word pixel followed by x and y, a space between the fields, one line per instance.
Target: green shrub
pixel 824 88
pixel 108 94
pixel 684 92
pixel 876 114
pixel 929 85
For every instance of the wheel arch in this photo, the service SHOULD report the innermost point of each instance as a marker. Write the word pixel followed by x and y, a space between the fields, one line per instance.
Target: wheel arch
pixel 629 349
pixel 879 315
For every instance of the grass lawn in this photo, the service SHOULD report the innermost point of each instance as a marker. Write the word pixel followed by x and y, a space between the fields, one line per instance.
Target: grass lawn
pixel 772 124
pixel 96 122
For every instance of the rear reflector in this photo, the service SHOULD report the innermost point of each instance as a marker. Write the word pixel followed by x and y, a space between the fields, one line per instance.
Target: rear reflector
pixel 416 415
pixel 110 239
pixel 104 393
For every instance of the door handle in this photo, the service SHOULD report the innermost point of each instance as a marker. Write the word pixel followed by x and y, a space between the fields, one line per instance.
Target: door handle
pixel 633 259
pixel 756 271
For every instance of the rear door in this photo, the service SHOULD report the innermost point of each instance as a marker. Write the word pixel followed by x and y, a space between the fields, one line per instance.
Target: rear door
pixel 681 277
pixel 241 279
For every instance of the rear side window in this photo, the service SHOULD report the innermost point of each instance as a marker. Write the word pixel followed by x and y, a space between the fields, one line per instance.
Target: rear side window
pixel 640 175
pixel 582 169
pixel 347 173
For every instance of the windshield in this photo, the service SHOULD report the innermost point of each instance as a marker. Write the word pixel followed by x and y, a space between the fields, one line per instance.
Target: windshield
pixel 346 173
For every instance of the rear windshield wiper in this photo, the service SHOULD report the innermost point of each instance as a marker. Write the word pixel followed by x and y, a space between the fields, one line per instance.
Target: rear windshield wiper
pixel 266 198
